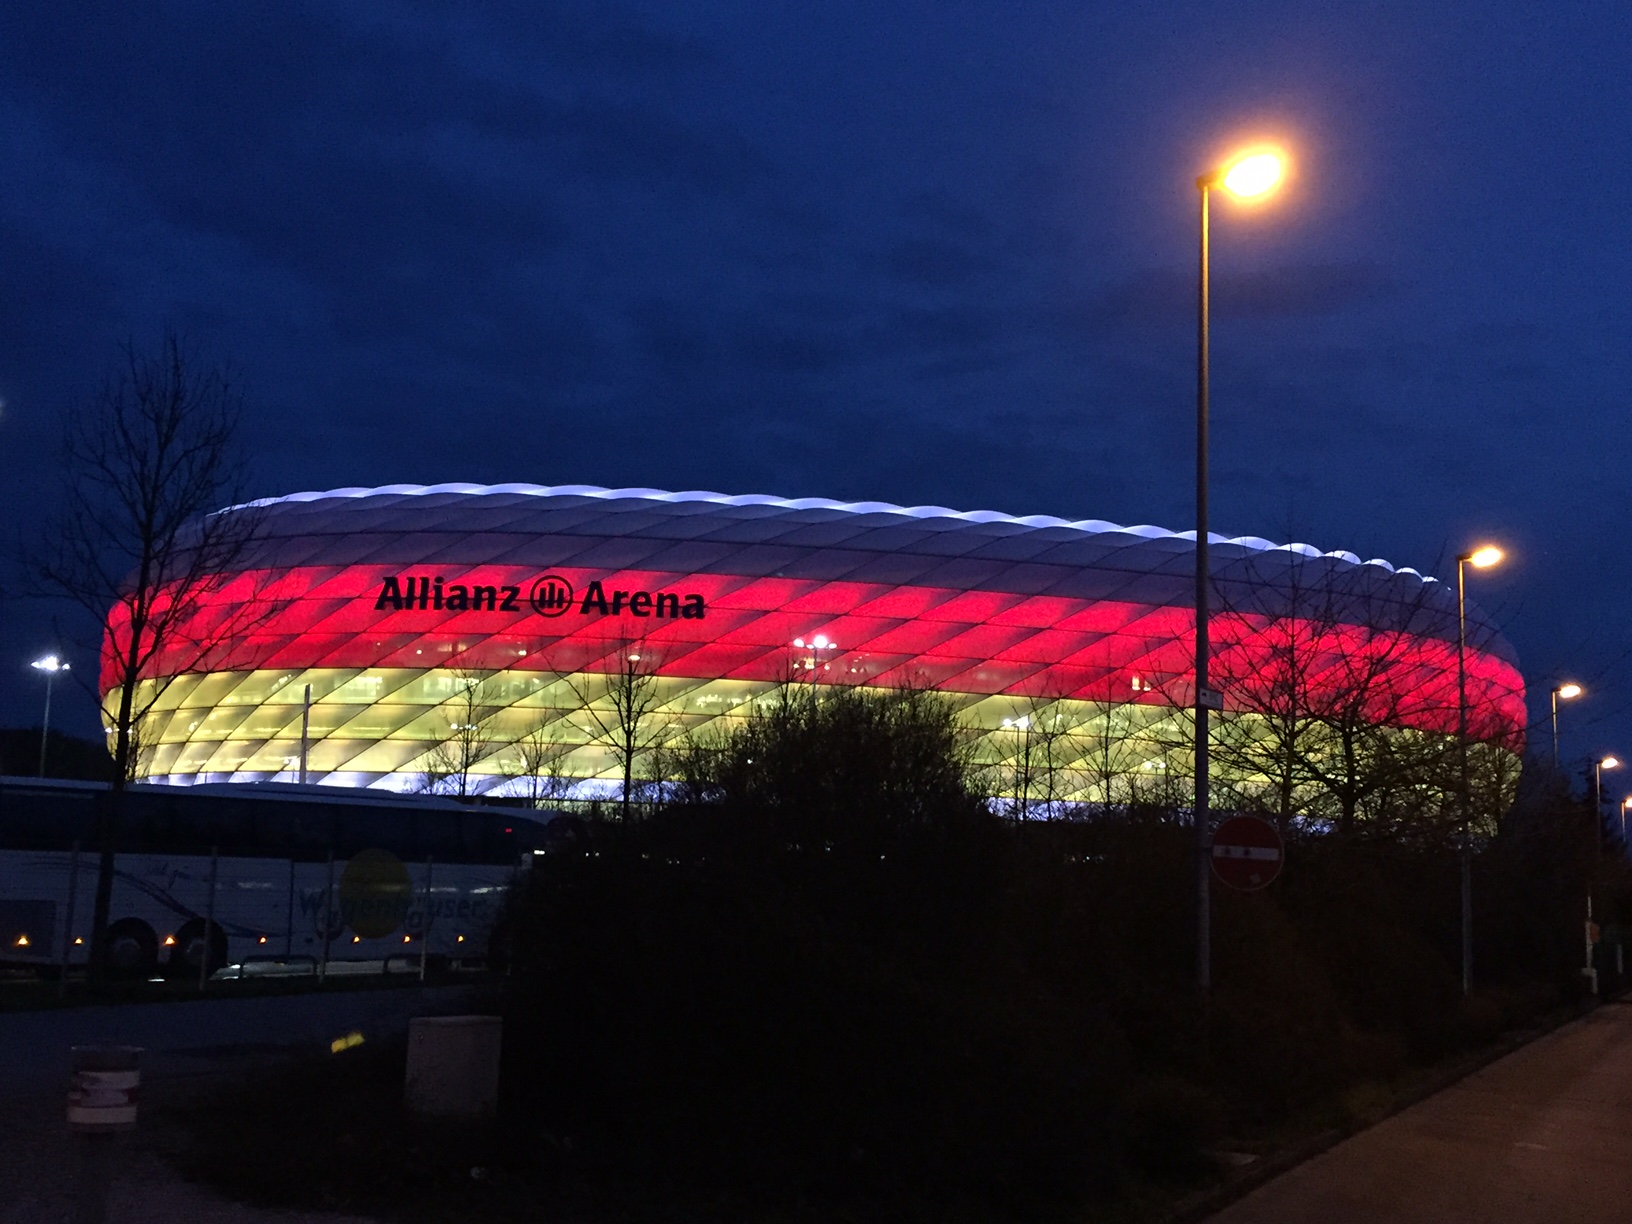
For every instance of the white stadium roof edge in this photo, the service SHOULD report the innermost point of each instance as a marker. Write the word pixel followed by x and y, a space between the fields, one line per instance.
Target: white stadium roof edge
pixel 1086 526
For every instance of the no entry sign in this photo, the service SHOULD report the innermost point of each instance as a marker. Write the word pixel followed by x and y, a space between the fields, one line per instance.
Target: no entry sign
pixel 1246 852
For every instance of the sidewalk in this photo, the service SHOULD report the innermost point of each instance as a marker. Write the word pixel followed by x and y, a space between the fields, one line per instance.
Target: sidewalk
pixel 1536 1137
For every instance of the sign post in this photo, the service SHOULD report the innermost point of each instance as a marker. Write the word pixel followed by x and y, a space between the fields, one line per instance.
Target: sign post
pixel 1246 853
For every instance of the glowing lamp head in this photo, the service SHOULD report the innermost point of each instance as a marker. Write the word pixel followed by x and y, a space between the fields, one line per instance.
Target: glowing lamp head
pixel 1254 175
pixel 1566 691
pixel 1609 762
pixel 1484 558
pixel 49 664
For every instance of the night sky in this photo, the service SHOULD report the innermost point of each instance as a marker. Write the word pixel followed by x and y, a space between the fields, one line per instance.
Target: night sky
pixel 923 253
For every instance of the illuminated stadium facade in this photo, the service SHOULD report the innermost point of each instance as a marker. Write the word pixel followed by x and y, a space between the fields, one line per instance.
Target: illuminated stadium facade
pixel 502 615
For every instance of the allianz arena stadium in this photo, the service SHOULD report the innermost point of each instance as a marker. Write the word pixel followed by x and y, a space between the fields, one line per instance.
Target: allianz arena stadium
pixel 501 616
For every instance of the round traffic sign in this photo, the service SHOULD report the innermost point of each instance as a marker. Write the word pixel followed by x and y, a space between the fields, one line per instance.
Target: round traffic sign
pixel 1246 852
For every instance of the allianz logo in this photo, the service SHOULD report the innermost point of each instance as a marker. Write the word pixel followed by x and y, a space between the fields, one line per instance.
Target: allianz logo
pixel 552 596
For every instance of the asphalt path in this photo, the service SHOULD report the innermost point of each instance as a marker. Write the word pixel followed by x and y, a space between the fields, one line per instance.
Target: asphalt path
pixel 1542 1135
pixel 185 1045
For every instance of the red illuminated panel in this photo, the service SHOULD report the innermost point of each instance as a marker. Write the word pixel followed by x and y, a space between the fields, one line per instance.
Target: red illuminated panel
pixel 904 603
pixel 1038 612
pixel 711 625
pixel 833 598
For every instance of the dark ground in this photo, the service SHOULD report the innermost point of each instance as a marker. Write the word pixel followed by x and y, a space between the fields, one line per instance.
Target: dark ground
pixel 193 1050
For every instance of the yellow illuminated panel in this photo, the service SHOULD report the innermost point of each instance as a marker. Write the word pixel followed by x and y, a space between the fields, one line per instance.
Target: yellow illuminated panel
pixel 1046 751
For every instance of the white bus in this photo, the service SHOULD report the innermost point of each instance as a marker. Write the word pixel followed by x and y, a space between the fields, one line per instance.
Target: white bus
pixel 242 879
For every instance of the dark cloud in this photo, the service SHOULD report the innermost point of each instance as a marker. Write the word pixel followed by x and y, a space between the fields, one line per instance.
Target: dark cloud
pixel 788 351
pixel 68 294
pixel 862 252
pixel 377 166
pixel 613 141
pixel 1315 289
pixel 1159 297
pixel 935 263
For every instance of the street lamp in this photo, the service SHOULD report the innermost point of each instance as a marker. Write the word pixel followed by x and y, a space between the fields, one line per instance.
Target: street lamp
pixel 819 659
pixel 817 645
pixel 50 665
pixel 1480 558
pixel 1250 175
pixel 1625 803
pixel 1600 764
pixel 1562 692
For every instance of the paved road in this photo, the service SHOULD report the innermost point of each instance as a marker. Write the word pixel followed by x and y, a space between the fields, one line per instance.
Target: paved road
pixel 186 1043
pixel 1543 1135
pixel 206 1034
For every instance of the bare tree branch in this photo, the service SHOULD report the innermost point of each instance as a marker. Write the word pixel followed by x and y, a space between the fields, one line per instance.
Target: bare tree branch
pixel 141 544
pixel 623 716
pixel 449 765
pixel 540 752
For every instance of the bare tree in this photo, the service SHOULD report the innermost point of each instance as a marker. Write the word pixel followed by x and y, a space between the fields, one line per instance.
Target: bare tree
pixel 450 763
pixel 1112 753
pixel 1056 753
pixel 1272 664
pixel 623 715
pixel 1047 749
pixel 1021 736
pixel 538 755
pixel 140 750
pixel 1333 702
pixel 141 543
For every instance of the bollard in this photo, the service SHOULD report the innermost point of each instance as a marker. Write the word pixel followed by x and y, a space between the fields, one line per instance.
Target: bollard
pixel 101 1105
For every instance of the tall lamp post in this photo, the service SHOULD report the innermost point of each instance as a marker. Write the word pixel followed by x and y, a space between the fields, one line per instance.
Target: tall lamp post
pixel 50 665
pixel 1479 558
pixel 1562 692
pixel 1600 764
pixel 1250 175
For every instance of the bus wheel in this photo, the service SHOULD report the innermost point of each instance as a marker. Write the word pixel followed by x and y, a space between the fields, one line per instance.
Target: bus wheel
pixel 192 946
pixel 131 948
